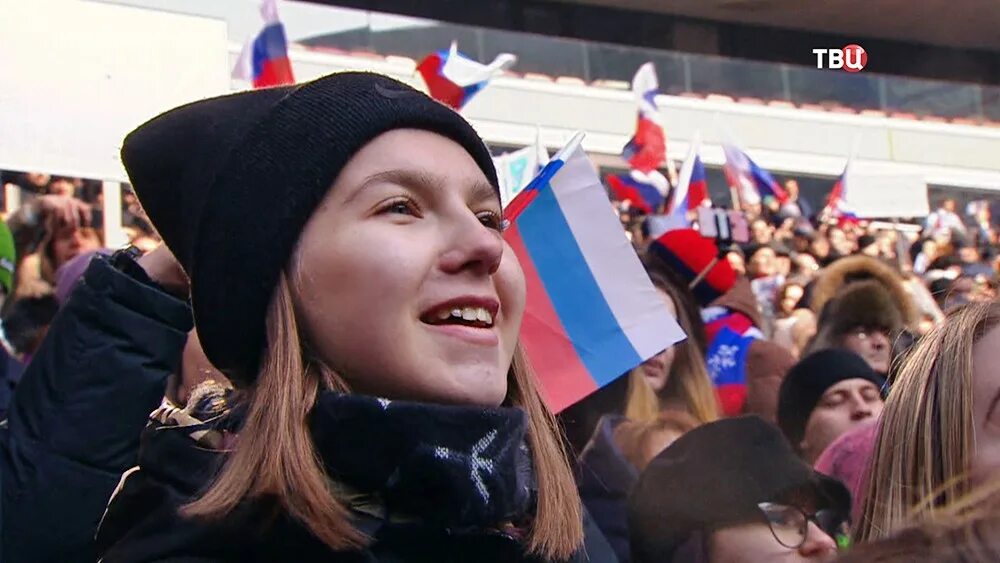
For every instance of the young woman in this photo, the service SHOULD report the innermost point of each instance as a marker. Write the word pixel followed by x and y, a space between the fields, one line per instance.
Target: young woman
pixel 666 396
pixel 348 274
pixel 940 428
pixel 675 379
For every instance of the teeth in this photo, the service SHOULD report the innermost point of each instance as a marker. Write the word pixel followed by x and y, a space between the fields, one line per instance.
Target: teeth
pixel 470 314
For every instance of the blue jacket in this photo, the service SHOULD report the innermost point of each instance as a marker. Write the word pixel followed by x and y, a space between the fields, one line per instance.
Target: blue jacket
pixel 74 423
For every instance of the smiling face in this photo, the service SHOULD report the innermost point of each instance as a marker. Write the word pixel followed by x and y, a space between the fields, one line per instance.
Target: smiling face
pixel 404 283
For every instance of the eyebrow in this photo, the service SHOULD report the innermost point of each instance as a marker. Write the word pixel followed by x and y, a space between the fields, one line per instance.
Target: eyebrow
pixel 423 181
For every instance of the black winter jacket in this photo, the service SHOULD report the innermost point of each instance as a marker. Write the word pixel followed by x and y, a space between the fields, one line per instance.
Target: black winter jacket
pixel 77 413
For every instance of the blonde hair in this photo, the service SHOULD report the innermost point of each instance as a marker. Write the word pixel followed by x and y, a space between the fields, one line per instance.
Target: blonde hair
pixel 688 384
pixel 275 460
pixel 926 440
pixel 967 530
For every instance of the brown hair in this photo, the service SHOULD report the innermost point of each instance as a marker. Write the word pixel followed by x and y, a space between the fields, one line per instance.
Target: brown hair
pixel 275 460
pixel 688 385
pixel 926 439
pixel 636 439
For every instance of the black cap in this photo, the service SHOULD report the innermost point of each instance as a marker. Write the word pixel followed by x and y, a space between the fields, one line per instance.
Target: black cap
pixel 230 183
pixel 806 382
pixel 714 476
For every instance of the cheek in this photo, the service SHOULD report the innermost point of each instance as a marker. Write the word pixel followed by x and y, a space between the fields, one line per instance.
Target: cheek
pixel 356 296
pixel 510 285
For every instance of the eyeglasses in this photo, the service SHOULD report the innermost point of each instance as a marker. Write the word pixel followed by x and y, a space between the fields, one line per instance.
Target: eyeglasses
pixel 790 524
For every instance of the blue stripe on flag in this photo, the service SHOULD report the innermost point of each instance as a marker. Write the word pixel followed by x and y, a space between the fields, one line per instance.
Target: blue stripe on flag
pixel 576 297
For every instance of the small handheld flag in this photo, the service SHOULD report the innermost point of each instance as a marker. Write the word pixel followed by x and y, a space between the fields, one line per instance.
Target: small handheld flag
pixel 644 197
pixel 264 59
pixel 754 182
pixel 453 78
pixel 646 151
pixel 592 312
pixel 691 191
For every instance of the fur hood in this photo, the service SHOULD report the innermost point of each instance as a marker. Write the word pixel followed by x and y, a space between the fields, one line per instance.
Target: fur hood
pixel 841 275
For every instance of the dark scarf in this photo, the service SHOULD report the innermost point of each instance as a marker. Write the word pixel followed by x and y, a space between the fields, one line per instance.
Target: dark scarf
pixel 452 466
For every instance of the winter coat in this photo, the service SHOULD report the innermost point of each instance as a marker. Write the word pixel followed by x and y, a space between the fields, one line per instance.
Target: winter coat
pixel 77 413
pixel 605 479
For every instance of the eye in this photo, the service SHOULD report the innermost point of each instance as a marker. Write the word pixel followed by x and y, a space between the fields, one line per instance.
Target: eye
pixel 401 206
pixel 492 220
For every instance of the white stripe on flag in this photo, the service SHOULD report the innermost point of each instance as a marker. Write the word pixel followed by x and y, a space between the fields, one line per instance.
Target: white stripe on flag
pixel 633 300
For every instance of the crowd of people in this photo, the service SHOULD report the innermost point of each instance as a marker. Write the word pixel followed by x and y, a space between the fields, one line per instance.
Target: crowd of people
pixel 340 378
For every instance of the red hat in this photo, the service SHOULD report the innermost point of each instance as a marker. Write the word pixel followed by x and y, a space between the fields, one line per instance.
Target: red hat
pixel 688 254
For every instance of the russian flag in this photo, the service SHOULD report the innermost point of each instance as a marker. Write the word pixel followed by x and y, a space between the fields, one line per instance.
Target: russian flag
pixel 453 78
pixel 640 195
pixel 754 182
pixel 836 204
pixel 264 59
pixel 592 313
pixel 646 151
pixel 692 188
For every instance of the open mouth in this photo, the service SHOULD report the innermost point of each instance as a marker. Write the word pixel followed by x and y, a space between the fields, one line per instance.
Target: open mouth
pixel 470 316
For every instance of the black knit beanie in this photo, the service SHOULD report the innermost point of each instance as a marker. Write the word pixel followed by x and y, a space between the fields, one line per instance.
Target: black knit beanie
pixel 806 382
pixel 230 183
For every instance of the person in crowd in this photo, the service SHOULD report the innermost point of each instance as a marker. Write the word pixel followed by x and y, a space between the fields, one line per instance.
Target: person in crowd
pixel 760 232
pixel 821 249
pixel 64 243
pixel 344 451
pixel 795 206
pixel 675 379
pixel 62 186
pixel 612 461
pixel 935 438
pixel 839 242
pixel 733 491
pixel 795 324
pixel 944 219
pixel 861 305
pixel 737 260
pixel 824 395
pixel 667 394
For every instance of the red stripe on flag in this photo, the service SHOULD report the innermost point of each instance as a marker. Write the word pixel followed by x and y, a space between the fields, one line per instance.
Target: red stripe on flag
pixel 545 341
pixel 275 72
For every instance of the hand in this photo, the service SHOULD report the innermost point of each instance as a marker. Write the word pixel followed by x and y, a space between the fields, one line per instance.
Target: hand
pixel 63 210
pixel 161 265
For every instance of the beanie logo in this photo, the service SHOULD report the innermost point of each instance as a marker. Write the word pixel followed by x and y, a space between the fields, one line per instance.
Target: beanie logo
pixel 394 94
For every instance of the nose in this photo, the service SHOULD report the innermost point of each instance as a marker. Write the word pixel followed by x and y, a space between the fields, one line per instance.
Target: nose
pixel 472 247
pixel 861 409
pixel 879 340
pixel 818 545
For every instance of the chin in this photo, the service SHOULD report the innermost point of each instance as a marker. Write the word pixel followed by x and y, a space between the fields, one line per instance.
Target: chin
pixel 484 390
